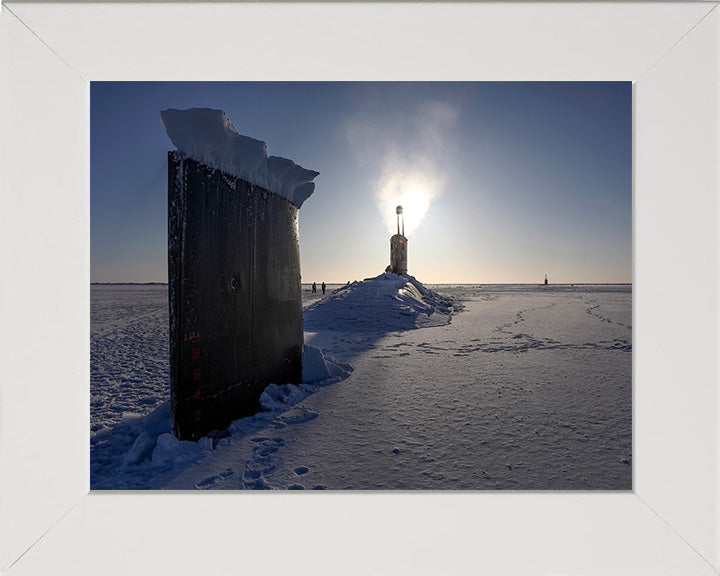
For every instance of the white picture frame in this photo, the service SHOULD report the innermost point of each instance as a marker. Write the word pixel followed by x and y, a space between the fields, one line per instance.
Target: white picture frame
pixel 50 522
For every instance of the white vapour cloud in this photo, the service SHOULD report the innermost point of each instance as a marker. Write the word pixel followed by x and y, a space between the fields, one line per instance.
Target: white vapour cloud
pixel 408 158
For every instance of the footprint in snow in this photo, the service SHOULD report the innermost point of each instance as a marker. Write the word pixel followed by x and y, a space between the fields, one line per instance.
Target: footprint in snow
pixel 212 481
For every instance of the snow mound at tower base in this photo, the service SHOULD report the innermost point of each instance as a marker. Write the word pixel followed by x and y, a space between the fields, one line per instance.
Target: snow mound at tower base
pixel 385 303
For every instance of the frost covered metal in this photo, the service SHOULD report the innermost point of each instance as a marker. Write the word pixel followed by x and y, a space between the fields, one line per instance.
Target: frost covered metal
pixel 398 246
pixel 235 295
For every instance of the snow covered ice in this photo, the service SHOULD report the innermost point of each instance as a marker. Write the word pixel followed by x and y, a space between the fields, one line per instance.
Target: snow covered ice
pixel 387 302
pixel 208 136
pixel 459 387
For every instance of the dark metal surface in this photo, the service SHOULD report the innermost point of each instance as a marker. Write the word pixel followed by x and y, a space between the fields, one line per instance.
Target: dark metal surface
pixel 235 295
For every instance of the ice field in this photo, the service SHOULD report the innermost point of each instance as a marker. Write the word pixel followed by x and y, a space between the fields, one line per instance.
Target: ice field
pixel 467 387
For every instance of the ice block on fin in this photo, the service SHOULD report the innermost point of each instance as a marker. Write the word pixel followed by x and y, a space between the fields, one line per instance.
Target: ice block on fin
pixel 207 136
pixel 285 178
pixel 303 192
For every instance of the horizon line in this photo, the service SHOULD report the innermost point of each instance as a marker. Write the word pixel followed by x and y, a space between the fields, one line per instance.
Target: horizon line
pixel 431 283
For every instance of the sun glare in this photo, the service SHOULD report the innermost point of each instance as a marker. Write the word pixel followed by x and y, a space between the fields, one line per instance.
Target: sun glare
pixel 412 195
pixel 415 204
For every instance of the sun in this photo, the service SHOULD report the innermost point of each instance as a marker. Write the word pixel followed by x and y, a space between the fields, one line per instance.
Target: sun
pixel 415 205
pixel 409 192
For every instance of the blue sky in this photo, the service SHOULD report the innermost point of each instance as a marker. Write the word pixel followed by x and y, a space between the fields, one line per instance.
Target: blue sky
pixel 520 179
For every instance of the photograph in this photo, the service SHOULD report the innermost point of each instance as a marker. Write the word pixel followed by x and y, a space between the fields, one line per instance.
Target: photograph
pixel 390 286
pixel 432 284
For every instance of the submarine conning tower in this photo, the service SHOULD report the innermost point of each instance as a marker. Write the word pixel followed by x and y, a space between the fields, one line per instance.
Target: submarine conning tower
pixel 398 246
pixel 235 298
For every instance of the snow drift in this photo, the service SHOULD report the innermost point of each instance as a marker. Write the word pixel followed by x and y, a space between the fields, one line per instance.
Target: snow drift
pixel 141 452
pixel 208 136
pixel 385 303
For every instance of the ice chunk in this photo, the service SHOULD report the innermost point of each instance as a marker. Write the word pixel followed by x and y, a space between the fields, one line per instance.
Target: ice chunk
pixel 129 418
pixel 285 177
pixel 168 449
pixel 314 367
pixel 141 449
pixel 208 136
pixel 165 448
pixel 276 397
pixel 303 192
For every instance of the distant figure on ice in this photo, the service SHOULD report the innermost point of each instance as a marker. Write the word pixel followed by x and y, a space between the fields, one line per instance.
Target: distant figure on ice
pixel 314 289
pixel 323 287
pixel 545 279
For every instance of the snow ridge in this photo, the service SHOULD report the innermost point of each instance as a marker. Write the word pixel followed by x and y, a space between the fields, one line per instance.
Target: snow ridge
pixel 386 303
pixel 208 136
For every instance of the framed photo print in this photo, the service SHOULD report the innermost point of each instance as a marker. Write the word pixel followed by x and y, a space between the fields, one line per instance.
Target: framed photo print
pixel 389 289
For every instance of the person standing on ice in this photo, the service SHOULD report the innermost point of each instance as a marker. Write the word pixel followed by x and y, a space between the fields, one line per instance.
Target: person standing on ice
pixel 323 288
pixel 314 288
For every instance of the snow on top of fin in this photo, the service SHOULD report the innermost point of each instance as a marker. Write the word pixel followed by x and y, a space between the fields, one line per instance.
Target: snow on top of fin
pixel 208 136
